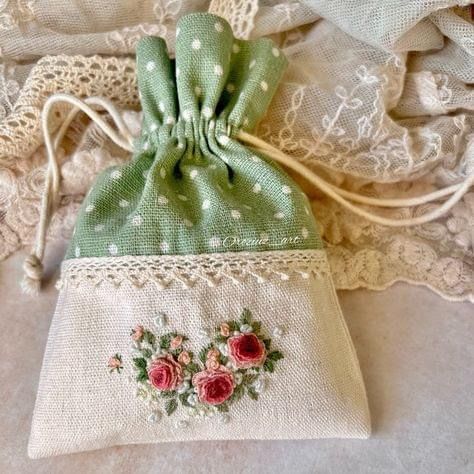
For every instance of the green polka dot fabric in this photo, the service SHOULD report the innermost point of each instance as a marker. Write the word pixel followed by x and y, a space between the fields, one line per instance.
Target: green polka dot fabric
pixel 191 186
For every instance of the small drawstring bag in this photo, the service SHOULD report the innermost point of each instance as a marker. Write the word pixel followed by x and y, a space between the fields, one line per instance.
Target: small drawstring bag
pixel 196 301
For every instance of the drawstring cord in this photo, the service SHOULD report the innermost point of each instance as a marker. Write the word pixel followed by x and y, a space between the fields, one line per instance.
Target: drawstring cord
pixel 33 267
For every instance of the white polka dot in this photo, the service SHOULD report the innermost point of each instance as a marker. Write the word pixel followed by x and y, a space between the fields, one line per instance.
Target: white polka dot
pixel 162 200
pixel 116 174
pixel 207 112
pixel 206 204
pixel 223 139
pixel 161 106
pixel 153 127
pixel 187 115
pixel 193 174
pixel 276 52
pixel 304 232
pixel 180 145
pixel 218 71
pixel 230 87
pixel 170 120
pixel 90 208
pixel 286 190
pixel 212 125
pixel 182 197
pixel 196 44
pixel 99 227
pixel 150 65
pixel 77 252
pixel 163 173
pixel 219 28
pixel 235 214
pixel 235 48
pixel 252 64
pixel 257 188
pixel 279 215
pixel 137 220
pixel 178 71
pixel 215 242
pixel 113 250
pixel 177 31
pixel 264 86
pixel 187 223
pixel 213 166
pixel 124 203
pixel 255 158
pixel 198 91
pixel 164 246
pixel 146 145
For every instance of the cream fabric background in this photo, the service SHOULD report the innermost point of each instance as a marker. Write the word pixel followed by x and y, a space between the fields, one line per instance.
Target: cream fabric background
pixel 416 355
pixel 315 392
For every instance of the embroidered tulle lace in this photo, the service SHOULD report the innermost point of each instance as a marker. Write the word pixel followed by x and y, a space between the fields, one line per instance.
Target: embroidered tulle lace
pixel 386 112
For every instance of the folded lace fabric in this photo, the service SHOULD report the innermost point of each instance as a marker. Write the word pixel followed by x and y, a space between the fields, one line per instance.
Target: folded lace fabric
pixel 196 301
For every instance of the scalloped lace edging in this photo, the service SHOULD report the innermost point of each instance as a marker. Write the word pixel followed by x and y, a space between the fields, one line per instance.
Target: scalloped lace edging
pixel 187 270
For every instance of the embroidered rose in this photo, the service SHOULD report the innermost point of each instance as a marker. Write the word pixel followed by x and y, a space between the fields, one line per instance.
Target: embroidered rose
pixel 115 363
pixel 213 354
pixel 165 373
pixel 246 350
pixel 212 364
pixel 137 333
pixel 184 358
pixel 176 342
pixel 214 386
pixel 225 330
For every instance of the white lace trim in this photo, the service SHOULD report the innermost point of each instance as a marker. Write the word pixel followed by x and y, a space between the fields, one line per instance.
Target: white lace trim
pixel 187 270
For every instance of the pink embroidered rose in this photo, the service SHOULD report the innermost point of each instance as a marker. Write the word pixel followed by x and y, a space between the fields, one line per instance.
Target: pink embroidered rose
pixel 213 354
pixel 137 333
pixel 165 373
pixel 184 358
pixel 115 362
pixel 176 342
pixel 214 386
pixel 246 350
pixel 225 330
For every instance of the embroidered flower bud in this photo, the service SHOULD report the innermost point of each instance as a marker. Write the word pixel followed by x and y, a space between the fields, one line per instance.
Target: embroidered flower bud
pixel 115 362
pixel 184 358
pixel 137 333
pixel 212 364
pixel 176 342
pixel 225 330
pixel 213 354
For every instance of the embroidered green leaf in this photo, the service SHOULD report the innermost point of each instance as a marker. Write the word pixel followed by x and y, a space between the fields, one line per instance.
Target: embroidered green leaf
pixel 238 393
pixel 269 366
pixel 168 394
pixel 252 393
pixel 267 343
pixel 191 355
pixel 171 406
pixel 233 326
pixel 147 353
pixel 249 378
pixel 220 339
pixel 140 362
pixel 256 326
pixel 165 341
pixel 183 398
pixel 142 375
pixel 245 317
pixel 275 355
pixel 223 407
pixel 193 368
pixel 149 337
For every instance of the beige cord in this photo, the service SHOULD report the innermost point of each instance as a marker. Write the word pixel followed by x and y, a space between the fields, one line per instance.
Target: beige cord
pixel 33 266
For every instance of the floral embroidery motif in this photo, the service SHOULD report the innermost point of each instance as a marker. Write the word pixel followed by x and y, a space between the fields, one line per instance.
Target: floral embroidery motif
pixel 229 367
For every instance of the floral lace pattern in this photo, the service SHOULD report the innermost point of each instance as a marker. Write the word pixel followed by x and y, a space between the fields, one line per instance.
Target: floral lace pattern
pixel 225 370
pixel 378 122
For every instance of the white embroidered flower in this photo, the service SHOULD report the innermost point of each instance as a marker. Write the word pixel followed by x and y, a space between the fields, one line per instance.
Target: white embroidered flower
pixel 223 418
pixel 203 334
pixel 192 399
pixel 277 332
pixel 223 349
pixel 246 328
pixel 160 320
pixel 259 385
pixel 184 387
pixel 182 424
pixel 154 417
pixel 238 377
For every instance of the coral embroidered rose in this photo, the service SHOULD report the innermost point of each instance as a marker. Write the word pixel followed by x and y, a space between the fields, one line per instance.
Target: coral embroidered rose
pixel 137 333
pixel 176 342
pixel 165 373
pixel 214 386
pixel 246 350
pixel 184 358
pixel 225 330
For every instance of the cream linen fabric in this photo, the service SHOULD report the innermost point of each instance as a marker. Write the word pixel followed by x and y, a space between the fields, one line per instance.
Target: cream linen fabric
pixel 315 392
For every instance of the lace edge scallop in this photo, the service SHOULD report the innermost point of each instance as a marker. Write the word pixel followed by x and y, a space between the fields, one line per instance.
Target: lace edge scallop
pixel 188 270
